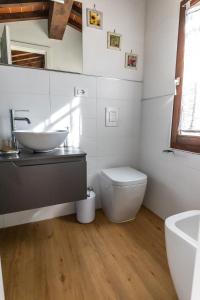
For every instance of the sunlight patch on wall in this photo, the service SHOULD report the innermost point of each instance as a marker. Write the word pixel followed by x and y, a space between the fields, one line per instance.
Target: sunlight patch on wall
pixel 67 117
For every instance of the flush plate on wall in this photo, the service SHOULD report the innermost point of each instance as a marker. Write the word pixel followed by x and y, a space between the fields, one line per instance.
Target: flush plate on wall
pixel 111 116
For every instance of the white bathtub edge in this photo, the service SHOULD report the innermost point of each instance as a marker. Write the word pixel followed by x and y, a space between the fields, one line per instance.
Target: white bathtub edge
pixel 170 224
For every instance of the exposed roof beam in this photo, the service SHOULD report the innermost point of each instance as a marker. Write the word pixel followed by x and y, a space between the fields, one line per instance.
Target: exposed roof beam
pixel 33 10
pixel 3 2
pixel 22 12
pixel 23 17
pixel 75 21
pixel 23 7
pixel 58 18
pixel 77 6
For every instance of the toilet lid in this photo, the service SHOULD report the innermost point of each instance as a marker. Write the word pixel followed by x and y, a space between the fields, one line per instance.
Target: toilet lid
pixel 124 176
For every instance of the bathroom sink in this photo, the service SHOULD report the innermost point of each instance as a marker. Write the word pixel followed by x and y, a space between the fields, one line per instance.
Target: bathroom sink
pixel 41 141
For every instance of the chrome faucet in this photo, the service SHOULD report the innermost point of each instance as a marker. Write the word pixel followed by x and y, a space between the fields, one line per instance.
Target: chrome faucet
pixel 12 123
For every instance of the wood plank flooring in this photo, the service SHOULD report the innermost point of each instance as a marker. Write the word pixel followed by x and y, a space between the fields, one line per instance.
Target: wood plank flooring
pixel 60 259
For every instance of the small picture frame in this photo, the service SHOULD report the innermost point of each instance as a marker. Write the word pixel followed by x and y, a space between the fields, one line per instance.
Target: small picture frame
pixel 114 41
pixel 94 18
pixel 131 61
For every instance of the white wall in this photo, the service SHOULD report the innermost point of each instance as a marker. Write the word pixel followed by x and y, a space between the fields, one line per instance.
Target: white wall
pixel 162 18
pixel 50 98
pixel 127 17
pixel 173 184
pixel 63 55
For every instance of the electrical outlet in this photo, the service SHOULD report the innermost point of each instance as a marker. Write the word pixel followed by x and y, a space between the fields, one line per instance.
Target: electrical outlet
pixel 80 92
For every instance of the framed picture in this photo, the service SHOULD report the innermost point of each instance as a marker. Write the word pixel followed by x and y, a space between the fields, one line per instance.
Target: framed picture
pixel 94 18
pixel 114 41
pixel 131 61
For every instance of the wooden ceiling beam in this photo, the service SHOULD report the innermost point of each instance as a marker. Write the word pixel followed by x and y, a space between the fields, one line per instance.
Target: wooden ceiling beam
pixel 23 12
pixel 23 8
pixel 33 10
pixel 26 59
pixel 75 21
pixel 27 16
pixel 8 2
pixel 77 6
pixel 19 55
pixel 58 18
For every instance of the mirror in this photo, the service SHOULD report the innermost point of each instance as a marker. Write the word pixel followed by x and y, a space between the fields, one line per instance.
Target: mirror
pixel 42 34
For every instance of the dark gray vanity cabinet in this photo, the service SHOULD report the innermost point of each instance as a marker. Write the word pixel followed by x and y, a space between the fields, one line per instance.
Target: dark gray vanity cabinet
pixel 42 180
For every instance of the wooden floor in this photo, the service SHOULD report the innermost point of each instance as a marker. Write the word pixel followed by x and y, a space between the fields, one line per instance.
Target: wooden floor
pixel 62 260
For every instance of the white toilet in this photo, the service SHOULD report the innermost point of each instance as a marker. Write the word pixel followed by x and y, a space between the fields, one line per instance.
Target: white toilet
pixel 123 192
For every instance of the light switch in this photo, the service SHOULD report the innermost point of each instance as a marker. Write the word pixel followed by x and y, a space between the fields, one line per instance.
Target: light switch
pixel 111 117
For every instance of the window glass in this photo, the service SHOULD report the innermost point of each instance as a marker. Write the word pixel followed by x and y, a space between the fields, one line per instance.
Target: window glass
pixel 190 108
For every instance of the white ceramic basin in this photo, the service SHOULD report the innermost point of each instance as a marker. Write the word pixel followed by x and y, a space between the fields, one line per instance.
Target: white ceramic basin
pixel 41 141
pixel 182 234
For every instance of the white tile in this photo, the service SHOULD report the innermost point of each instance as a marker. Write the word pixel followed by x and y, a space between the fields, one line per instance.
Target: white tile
pixel 67 112
pixel 118 89
pixel 63 106
pixel 114 161
pixel 88 108
pixel 91 166
pixel 117 147
pixel 89 145
pixel 64 84
pixel 38 106
pixel 60 102
pixel 129 118
pixel 88 128
pixel 34 103
pixel 23 81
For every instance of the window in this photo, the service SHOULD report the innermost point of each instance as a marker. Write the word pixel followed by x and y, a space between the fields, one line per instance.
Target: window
pixel 186 112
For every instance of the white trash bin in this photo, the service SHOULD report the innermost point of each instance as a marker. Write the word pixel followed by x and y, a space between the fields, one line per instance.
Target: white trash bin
pixel 85 209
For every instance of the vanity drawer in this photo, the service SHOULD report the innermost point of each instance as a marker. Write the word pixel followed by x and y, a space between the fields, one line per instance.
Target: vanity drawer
pixel 28 186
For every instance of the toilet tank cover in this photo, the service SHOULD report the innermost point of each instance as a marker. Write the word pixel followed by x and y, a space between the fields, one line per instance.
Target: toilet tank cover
pixel 124 176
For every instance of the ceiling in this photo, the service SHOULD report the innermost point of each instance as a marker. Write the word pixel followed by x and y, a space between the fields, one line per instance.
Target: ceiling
pixel 58 15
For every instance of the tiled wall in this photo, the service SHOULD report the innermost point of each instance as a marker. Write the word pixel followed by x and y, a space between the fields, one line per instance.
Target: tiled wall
pixel 49 97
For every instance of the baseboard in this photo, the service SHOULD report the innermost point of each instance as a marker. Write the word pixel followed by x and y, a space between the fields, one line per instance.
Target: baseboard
pixel 39 214
pixel 35 215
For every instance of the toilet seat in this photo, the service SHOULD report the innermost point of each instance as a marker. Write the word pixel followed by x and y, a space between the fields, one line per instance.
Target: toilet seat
pixel 124 176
